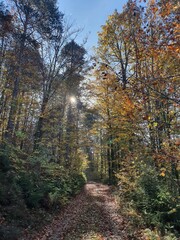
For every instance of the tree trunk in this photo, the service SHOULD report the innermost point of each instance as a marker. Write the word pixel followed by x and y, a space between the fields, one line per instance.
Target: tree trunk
pixel 39 129
pixel 14 103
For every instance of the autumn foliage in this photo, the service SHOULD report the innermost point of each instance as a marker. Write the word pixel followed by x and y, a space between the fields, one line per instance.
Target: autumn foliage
pixel 135 87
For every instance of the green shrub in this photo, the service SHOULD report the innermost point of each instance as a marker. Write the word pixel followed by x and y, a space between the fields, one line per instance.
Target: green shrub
pixel 77 182
pixel 155 235
pixel 32 185
pixel 10 192
pixel 155 200
pixel 9 233
pixel 5 163
pixel 48 189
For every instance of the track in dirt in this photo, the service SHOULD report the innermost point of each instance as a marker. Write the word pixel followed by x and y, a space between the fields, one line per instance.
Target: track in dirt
pixel 93 214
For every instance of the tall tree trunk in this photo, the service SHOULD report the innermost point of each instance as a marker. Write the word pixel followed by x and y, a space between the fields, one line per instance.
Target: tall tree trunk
pixel 39 129
pixel 14 103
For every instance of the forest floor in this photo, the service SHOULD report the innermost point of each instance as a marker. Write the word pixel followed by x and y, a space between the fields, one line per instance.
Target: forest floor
pixel 92 215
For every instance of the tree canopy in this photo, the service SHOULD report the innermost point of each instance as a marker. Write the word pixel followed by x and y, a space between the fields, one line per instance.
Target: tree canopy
pixel 113 118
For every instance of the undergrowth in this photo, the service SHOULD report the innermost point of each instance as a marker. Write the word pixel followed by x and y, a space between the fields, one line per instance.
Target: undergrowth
pixel 32 190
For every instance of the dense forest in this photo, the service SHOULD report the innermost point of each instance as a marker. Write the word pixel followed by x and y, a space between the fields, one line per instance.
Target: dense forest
pixel 66 117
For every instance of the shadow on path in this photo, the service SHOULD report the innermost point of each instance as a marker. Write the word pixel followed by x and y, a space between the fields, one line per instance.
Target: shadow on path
pixel 93 214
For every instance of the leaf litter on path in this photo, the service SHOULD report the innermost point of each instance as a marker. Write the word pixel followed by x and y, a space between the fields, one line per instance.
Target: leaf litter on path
pixel 92 215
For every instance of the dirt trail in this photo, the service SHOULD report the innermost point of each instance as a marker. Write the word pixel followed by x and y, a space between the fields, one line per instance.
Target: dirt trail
pixel 92 215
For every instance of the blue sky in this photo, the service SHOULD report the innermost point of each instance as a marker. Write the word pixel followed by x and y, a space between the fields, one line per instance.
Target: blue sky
pixel 89 15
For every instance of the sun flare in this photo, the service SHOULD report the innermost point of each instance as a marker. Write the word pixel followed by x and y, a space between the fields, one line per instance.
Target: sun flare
pixel 72 99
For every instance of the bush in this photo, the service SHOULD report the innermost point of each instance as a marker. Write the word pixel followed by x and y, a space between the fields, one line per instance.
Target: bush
pixel 77 182
pixel 154 235
pixel 155 200
pixel 148 188
pixel 5 163
pixel 10 192
pixel 47 189
pixel 32 188
pixel 65 188
pixel 9 233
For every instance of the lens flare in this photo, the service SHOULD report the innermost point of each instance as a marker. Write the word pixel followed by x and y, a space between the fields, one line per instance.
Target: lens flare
pixel 72 99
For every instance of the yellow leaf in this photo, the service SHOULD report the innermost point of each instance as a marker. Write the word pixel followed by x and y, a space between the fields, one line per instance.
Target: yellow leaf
pixel 162 174
pixel 155 124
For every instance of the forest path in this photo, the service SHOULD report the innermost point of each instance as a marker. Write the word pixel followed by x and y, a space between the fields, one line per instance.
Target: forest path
pixel 92 215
